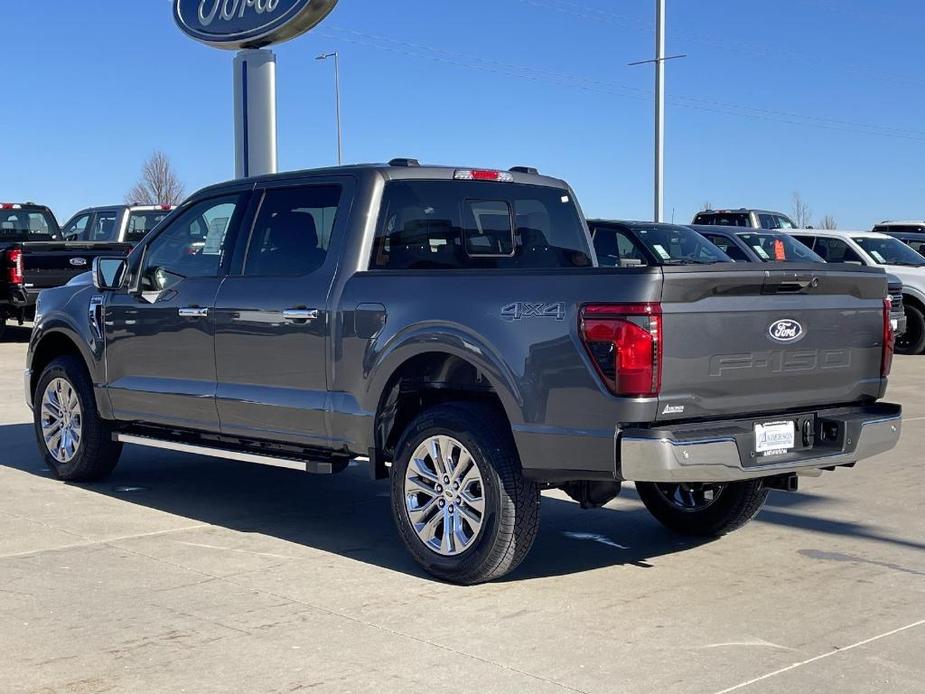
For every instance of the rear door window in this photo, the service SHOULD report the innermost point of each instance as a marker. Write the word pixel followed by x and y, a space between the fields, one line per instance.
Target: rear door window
pixel 292 233
pixel 427 225
pixel 103 227
pixel 141 222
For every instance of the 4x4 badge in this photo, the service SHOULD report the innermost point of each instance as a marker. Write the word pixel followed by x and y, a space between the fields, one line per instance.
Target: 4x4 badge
pixel 526 309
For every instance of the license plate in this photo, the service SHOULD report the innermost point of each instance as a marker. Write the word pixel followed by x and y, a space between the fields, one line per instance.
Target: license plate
pixel 775 437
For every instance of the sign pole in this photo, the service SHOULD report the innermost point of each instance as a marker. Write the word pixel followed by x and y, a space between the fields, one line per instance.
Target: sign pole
pixel 255 113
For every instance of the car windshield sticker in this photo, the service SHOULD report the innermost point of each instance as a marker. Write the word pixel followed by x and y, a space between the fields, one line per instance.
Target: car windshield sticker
pixel 879 258
pixel 779 252
pixel 761 252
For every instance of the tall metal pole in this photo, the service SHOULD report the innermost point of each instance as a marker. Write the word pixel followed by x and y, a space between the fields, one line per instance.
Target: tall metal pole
pixel 659 215
pixel 340 138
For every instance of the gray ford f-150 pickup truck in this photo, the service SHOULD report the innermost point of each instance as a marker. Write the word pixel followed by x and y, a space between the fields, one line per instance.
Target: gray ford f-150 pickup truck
pixel 452 326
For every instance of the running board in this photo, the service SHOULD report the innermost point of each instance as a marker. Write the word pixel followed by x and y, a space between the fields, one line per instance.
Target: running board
pixel 314 467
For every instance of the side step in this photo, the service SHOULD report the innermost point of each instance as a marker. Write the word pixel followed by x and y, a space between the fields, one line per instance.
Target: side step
pixel 314 467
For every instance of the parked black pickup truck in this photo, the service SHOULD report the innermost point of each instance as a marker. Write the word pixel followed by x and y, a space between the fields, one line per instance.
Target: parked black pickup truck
pixel 33 257
pixel 451 326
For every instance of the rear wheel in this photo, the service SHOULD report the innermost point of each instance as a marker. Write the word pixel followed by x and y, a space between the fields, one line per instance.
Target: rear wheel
pixel 703 509
pixel 913 340
pixel 460 503
pixel 76 443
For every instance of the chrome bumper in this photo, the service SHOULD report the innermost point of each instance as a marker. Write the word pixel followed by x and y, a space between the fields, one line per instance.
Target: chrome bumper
pixel 663 459
pixel 27 386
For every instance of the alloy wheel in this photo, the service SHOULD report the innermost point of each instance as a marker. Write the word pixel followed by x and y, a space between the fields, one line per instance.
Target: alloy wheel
pixel 62 420
pixel 444 495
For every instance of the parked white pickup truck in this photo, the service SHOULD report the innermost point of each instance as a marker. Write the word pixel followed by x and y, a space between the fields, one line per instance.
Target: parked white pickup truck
pixel 879 250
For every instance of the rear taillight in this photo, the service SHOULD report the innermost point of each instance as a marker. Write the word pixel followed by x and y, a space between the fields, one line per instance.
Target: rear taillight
pixel 625 344
pixel 889 339
pixel 14 260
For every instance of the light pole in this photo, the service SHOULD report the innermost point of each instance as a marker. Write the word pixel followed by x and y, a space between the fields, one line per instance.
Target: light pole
pixel 659 60
pixel 340 139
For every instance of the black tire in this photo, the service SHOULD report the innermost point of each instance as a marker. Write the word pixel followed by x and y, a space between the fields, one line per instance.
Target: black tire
pixel 511 515
pixel 913 340
pixel 732 505
pixel 97 454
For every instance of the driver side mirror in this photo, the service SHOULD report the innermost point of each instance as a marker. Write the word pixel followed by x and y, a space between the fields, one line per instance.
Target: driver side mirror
pixel 108 273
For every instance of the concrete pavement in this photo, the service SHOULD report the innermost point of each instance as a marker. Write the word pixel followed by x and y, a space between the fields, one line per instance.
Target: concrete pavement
pixel 191 574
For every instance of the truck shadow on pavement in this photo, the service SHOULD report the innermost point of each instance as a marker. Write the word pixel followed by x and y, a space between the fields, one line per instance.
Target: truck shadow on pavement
pixel 17 333
pixel 349 514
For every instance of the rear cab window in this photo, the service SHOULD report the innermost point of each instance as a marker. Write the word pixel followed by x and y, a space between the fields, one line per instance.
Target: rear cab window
pixel 452 225
pixel 28 224
pixel 723 219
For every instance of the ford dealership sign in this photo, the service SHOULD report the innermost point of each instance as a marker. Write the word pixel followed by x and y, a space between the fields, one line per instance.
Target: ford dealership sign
pixel 235 24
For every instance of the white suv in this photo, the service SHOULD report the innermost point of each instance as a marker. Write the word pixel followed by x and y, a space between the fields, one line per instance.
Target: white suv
pixel 879 250
pixel 915 226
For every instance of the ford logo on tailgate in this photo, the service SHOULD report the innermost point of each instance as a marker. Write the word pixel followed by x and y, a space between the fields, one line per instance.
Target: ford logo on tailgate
pixel 79 262
pixel 235 24
pixel 785 330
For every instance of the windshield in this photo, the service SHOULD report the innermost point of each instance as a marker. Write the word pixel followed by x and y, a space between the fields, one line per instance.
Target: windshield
pixel 141 222
pixel 890 251
pixel 779 248
pixel 676 245
pixel 28 225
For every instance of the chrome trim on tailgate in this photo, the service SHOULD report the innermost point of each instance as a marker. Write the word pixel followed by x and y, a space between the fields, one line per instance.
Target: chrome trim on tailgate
pixel 717 460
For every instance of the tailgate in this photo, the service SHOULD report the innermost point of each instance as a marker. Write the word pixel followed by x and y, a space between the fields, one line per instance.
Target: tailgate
pixel 54 263
pixel 740 341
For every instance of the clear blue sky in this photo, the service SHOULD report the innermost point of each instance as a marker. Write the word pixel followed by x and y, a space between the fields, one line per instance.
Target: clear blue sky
pixel 821 96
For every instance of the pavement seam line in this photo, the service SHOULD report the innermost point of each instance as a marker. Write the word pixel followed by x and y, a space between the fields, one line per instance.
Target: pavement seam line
pixel 91 543
pixel 822 656
pixel 355 620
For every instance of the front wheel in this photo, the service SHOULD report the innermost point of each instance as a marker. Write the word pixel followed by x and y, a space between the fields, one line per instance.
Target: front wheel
pixel 703 509
pixel 76 443
pixel 460 503
pixel 913 340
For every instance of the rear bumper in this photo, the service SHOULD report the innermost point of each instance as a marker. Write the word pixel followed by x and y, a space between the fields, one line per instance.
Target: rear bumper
pixel 685 454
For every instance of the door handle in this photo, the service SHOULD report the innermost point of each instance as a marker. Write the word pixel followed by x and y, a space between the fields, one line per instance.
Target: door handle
pixel 193 312
pixel 300 314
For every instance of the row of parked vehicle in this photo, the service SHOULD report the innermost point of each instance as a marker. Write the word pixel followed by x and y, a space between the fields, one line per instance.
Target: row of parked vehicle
pixel 36 253
pixel 896 246
pixel 450 328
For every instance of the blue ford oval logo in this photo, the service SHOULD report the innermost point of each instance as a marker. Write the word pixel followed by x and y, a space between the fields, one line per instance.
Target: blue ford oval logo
pixel 785 330
pixel 235 24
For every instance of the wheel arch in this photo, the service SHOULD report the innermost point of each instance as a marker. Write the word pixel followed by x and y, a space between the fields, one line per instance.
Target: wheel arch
pixel 420 373
pixel 54 342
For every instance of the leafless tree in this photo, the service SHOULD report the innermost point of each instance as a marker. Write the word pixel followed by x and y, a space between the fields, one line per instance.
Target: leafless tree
pixel 802 214
pixel 828 222
pixel 158 185
pixel 707 206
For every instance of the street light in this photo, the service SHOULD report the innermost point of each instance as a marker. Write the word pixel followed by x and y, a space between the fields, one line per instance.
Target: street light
pixel 340 141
